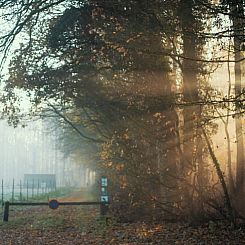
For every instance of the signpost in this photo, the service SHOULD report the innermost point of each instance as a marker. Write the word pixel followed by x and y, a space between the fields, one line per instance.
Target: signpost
pixel 104 198
pixel 104 193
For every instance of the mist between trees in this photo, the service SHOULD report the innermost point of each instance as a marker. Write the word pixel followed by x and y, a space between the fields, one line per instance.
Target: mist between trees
pixel 148 89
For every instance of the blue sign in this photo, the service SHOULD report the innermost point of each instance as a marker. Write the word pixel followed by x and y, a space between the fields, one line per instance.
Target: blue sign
pixel 104 199
pixel 103 181
pixel 53 204
pixel 103 191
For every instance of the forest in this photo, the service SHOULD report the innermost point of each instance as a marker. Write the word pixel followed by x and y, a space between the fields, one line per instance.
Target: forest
pixel 152 92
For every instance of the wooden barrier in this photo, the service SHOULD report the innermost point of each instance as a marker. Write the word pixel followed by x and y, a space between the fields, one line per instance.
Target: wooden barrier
pixel 103 206
pixel 6 212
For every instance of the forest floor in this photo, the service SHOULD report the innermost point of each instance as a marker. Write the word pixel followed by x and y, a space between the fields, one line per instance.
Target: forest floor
pixel 83 225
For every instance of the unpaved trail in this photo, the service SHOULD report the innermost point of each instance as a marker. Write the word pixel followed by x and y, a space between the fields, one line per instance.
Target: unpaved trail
pixel 76 196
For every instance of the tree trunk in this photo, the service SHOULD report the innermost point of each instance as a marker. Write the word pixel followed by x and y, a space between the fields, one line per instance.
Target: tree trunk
pixel 190 91
pixel 237 17
pixel 230 210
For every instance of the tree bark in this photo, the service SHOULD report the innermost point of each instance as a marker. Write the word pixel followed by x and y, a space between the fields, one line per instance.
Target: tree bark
pixel 230 210
pixel 190 92
pixel 237 17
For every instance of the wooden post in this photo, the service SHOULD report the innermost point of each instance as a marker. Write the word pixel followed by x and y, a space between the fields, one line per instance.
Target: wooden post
pixel 32 190
pixel 6 212
pixel 13 192
pixel 2 193
pixel 20 191
pixel 103 209
pixel 104 198
pixel 37 187
pixel 54 184
pixel 27 193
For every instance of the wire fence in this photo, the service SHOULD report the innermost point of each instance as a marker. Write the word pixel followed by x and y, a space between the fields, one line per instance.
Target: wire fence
pixel 18 190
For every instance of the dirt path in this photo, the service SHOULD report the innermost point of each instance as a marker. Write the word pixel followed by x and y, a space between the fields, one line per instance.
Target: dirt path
pixel 76 196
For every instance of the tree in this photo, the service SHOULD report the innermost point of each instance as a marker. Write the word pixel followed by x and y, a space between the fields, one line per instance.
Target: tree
pixel 190 18
pixel 105 68
pixel 100 57
pixel 237 17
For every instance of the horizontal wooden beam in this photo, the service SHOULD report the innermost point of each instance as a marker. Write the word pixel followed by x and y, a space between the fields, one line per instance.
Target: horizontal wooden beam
pixel 60 203
pixel 28 203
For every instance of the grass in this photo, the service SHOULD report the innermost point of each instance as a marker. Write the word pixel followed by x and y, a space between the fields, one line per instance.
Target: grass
pixel 59 192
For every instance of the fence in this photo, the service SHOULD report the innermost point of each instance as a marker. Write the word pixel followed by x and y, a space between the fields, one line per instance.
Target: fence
pixel 19 191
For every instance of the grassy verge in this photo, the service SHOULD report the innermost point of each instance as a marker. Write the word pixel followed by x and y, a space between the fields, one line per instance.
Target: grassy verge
pixel 59 192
